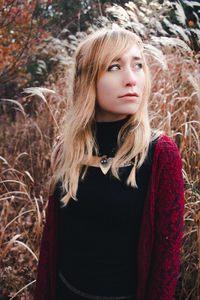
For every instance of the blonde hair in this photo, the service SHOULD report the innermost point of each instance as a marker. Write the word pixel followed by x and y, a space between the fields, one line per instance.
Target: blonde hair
pixel 77 145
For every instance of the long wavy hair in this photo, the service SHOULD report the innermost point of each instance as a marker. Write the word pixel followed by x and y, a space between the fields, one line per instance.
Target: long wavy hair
pixel 77 145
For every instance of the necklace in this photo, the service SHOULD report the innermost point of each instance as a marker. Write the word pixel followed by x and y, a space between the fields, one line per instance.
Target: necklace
pixel 105 164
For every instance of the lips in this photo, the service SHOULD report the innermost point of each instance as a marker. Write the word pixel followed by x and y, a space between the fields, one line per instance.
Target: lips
pixel 129 95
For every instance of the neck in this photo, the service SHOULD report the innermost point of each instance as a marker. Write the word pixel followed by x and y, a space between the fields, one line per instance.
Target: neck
pixel 107 136
pixel 107 118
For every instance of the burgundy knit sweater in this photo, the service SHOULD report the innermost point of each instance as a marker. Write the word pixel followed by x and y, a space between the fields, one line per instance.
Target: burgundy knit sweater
pixel 160 232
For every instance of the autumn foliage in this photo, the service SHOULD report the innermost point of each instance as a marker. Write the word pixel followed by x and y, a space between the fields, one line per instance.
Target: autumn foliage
pixel 20 30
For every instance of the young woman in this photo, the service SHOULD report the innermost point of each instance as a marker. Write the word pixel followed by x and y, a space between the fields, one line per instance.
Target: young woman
pixel 115 214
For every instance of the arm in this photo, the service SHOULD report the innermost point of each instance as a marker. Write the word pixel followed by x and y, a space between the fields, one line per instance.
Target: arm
pixel 169 210
pixel 46 273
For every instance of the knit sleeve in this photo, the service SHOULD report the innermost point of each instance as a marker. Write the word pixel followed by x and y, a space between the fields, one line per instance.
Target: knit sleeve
pixel 45 282
pixel 168 226
pixel 46 271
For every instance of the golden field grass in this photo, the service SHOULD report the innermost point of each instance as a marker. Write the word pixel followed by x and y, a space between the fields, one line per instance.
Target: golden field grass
pixel 25 149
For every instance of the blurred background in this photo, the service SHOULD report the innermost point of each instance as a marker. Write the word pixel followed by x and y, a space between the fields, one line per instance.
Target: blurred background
pixel 37 42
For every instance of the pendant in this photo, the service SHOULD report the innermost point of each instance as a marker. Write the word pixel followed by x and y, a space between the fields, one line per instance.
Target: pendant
pixel 105 164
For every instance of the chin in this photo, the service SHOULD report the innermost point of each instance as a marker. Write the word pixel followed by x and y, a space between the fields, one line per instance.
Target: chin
pixel 128 112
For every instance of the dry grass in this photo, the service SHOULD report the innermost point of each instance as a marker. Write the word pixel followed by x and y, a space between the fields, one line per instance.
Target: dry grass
pixel 25 147
pixel 175 107
pixel 25 171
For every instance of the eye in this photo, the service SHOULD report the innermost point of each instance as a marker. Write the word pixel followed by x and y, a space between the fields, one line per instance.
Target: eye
pixel 114 67
pixel 138 66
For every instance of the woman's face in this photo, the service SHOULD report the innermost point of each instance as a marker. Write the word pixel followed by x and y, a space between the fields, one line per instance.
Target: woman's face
pixel 120 88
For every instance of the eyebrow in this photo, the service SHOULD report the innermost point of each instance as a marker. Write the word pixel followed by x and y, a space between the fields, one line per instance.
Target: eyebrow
pixel 133 57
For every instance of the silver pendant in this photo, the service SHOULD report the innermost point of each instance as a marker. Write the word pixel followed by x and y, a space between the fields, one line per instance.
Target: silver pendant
pixel 105 164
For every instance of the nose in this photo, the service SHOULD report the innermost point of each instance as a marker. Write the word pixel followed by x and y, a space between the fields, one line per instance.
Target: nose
pixel 129 77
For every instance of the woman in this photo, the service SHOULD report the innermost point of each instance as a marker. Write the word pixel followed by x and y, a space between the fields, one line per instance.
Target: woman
pixel 115 214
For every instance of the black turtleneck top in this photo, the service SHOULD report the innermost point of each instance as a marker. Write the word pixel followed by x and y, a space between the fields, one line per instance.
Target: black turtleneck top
pixel 100 231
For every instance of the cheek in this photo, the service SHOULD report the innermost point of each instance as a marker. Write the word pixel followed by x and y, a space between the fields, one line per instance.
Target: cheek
pixel 103 89
pixel 143 81
pixel 142 78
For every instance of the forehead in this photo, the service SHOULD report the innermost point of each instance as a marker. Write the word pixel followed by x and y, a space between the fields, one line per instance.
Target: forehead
pixel 132 53
pixel 115 50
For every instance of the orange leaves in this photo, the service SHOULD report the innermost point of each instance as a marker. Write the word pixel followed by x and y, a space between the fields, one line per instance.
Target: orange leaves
pixel 14 29
pixel 19 31
pixel 191 23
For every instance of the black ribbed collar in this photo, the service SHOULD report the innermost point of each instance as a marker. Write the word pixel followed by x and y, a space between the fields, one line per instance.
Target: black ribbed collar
pixel 106 136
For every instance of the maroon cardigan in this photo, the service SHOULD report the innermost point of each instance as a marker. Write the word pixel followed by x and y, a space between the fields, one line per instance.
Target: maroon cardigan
pixel 160 233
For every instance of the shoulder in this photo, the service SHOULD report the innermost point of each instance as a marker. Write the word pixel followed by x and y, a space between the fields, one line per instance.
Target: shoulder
pixel 166 145
pixel 166 150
